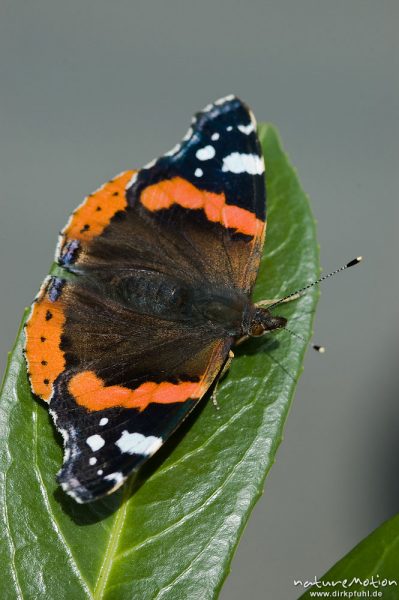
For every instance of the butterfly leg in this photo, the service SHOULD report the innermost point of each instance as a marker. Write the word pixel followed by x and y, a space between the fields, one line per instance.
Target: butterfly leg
pixel 266 303
pixel 223 372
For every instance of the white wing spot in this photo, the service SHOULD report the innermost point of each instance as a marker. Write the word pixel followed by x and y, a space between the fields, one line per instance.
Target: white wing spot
pixel 207 108
pixel 137 443
pixel 215 136
pixel 68 488
pixel 103 421
pixel 218 102
pixel 100 472
pixel 188 134
pixel 92 460
pixel 198 172
pixel 229 128
pixel 116 477
pixel 252 117
pixel 174 150
pixel 247 129
pixel 205 153
pixel 150 164
pixel 244 163
pixel 65 436
pixel 132 181
pixel 95 442
pixel 224 100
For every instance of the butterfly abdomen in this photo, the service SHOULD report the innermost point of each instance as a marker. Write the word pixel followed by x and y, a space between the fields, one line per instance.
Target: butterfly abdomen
pixel 222 308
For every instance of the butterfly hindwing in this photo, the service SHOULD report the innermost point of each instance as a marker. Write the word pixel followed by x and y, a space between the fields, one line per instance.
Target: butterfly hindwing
pixel 127 352
pixel 118 382
pixel 110 430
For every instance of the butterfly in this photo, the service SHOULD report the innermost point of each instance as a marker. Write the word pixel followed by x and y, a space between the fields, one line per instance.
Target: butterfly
pixel 158 270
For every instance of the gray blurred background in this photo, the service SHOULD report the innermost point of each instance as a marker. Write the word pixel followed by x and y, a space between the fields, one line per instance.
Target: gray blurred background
pixel 91 88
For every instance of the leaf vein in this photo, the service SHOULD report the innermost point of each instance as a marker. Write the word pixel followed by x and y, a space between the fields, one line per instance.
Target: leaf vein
pixel 53 521
pixel 189 515
pixel 178 577
pixel 208 441
pixel 14 572
pixel 381 559
pixel 112 546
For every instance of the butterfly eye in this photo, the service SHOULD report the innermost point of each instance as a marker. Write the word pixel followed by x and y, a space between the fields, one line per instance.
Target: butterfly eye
pixel 263 322
pixel 257 330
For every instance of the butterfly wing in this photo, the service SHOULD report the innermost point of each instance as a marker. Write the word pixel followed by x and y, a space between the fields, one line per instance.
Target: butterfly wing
pixel 203 202
pixel 118 382
pixel 120 377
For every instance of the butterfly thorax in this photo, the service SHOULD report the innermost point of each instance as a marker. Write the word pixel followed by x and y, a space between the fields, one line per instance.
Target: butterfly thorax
pixel 239 316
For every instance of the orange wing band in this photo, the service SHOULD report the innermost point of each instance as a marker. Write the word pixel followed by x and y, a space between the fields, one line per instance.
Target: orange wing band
pixel 89 391
pixel 94 214
pixel 180 191
pixel 43 352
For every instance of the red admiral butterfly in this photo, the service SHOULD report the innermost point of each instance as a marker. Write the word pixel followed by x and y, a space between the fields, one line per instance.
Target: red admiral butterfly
pixel 159 268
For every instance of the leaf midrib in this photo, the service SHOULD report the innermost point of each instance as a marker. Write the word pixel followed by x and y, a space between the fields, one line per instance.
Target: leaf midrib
pixel 177 578
pixel 113 543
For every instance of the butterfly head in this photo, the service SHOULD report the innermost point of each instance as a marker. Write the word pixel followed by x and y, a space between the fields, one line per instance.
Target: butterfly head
pixel 263 321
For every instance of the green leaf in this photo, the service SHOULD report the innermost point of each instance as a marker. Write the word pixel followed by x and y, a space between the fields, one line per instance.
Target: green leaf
pixel 374 558
pixel 174 535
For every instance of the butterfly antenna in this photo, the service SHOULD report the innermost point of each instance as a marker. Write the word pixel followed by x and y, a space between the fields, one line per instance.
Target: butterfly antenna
pixel 299 292
pixel 319 349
